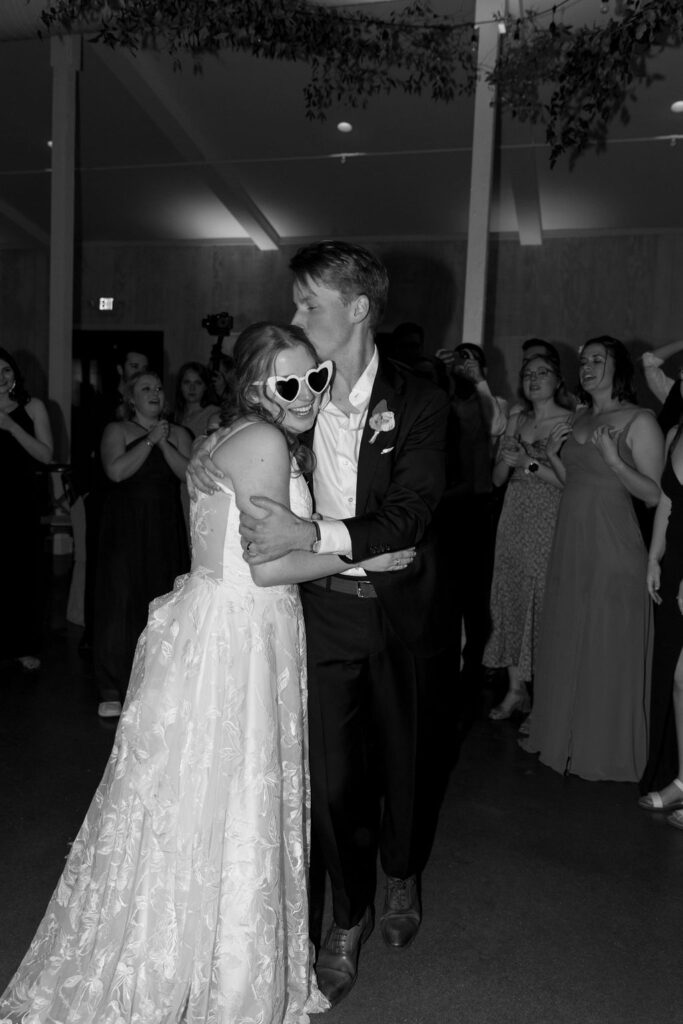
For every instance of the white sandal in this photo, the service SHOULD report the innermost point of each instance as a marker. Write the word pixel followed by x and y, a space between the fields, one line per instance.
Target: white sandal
pixel 653 801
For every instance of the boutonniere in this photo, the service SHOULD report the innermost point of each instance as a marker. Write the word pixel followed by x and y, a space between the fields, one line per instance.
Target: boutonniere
pixel 381 420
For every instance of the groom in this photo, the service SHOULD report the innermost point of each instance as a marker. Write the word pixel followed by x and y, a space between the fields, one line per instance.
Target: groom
pixel 379 446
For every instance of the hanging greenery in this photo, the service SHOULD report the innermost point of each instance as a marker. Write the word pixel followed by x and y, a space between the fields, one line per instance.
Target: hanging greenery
pixel 576 81
pixel 352 56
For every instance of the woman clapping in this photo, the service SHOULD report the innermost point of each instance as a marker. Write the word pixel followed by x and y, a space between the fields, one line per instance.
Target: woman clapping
pixel 526 526
pixel 143 539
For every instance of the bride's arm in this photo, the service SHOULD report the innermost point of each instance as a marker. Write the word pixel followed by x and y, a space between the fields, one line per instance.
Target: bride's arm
pixel 256 461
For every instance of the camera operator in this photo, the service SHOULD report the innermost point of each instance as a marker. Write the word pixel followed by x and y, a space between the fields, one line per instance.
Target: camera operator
pixel 219 326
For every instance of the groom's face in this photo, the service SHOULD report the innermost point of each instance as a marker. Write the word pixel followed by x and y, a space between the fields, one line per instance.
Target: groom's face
pixel 324 316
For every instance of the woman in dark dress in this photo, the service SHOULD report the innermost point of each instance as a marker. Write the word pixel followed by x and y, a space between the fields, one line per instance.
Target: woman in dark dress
pixel 143 540
pixel 25 443
pixel 665 584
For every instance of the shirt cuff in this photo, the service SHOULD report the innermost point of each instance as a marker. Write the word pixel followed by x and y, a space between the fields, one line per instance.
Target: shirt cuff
pixel 335 538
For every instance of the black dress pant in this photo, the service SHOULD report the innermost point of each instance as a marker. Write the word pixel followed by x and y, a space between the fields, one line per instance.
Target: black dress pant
pixel 364 690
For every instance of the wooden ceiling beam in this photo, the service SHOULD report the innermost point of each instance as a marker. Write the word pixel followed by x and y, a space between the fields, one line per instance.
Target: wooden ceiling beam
pixel 29 227
pixel 145 80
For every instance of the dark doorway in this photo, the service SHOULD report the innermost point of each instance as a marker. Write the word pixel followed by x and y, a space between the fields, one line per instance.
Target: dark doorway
pixel 96 356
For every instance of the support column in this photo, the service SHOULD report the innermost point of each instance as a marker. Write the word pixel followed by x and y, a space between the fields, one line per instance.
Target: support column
pixel 66 63
pixel 483 141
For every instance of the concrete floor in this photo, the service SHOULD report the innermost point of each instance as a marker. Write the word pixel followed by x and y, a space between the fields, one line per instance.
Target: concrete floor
pixel 546 900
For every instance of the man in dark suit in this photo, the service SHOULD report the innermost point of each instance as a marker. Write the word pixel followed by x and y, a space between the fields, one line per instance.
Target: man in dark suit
pixel 379 446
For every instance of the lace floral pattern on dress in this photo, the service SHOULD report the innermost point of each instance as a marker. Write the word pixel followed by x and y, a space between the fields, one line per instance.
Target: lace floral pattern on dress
pixel 184 895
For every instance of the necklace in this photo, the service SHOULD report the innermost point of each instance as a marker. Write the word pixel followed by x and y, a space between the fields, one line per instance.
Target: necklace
pixel 137 423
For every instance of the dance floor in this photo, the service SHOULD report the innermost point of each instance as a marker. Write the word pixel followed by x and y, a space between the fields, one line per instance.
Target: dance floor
pixel 545 899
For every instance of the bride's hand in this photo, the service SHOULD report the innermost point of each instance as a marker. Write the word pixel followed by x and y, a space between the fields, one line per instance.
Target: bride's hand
pixel 202 471
pixel 392 561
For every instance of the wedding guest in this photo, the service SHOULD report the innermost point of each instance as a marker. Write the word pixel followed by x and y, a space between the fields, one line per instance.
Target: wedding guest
pixel 405 345
pixel 468 512
pixel 592 682
pixel 665 585
pixel 194 407
pixel 667 389
pixel 539 347
pixel 130 363
pixel 96 411
pixel 143 540
pixel 25 445
pixel 526 526
pixel 222 376
pixel 184 896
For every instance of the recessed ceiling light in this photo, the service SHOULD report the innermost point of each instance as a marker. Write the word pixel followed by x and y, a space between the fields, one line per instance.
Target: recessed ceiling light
pixel 344 126
pixel 677 107
pixel 49 143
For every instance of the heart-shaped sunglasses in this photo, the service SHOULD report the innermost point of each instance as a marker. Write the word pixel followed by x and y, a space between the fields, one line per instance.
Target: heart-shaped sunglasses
pixel 288 388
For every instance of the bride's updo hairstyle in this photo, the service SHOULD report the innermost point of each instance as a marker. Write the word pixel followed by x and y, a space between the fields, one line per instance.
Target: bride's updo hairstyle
pixel 255 352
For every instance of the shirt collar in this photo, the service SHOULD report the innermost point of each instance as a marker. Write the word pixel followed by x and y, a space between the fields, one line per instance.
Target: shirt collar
pixel 359 395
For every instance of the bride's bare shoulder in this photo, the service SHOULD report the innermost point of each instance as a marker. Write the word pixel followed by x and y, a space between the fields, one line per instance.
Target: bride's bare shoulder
pixel 246 439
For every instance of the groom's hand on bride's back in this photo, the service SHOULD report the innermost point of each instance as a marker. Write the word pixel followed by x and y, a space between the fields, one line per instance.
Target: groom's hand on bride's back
pixel 202 471
pixel 275 534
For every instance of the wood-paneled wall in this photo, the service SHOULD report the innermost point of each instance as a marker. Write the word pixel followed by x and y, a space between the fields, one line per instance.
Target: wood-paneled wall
pixel 24 288
pixel 566 290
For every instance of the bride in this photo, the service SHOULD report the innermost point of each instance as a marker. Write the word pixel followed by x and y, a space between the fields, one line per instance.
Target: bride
pixel 184 895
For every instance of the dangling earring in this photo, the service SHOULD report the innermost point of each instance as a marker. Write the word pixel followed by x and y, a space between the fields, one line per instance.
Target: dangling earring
pixel 12 388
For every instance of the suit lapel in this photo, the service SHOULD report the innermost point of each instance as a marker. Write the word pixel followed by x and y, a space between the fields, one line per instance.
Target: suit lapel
pixel 388 386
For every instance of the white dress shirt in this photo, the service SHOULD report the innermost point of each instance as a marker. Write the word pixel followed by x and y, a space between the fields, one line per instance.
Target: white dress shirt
pixel 336 446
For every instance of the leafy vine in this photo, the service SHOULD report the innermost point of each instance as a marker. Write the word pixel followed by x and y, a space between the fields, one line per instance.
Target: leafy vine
pixel 576 81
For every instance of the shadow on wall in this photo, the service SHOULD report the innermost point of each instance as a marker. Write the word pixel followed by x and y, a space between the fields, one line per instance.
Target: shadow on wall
pixel 422 290
pixel 35 374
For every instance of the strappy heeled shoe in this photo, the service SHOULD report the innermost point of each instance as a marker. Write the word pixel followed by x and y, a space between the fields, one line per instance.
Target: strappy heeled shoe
pixel 654 802
pixel 514 700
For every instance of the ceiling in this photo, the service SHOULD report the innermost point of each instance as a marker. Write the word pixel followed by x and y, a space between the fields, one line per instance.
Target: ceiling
pixel 229 156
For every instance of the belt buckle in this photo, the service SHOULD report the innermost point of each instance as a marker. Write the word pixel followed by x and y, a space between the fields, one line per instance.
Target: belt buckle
pixel 359 588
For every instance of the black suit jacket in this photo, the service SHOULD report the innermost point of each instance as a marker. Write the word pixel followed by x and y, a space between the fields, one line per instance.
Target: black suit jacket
pixel 401 477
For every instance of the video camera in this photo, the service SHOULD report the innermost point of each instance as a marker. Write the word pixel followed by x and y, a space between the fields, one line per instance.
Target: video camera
pixel 218 324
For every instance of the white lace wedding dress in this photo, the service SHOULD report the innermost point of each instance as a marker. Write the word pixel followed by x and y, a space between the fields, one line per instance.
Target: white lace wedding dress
pixel 184 896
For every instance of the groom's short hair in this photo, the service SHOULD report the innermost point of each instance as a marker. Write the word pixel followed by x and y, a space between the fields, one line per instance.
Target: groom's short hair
pixel 348 269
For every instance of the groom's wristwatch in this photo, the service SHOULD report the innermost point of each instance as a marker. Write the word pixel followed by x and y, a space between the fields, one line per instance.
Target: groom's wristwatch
pixel 315 547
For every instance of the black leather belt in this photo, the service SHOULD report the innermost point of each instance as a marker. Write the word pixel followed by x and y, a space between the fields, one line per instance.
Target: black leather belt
pixel 353 585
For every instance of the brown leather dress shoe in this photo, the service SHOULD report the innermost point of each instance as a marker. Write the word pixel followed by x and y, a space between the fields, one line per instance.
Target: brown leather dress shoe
pixel 337 964
pixel 402 912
